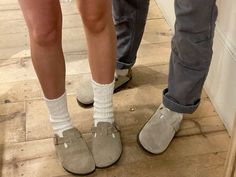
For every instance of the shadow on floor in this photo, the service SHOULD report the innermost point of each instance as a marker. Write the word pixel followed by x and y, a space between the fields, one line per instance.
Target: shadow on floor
pixel 148 76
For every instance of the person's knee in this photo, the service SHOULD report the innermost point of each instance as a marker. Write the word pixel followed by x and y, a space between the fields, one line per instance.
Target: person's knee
pixel 193 51
pixel 95 22
pixel 45 35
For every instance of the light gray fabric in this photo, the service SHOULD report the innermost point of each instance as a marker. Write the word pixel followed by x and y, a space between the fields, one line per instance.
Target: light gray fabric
pixel 191 53
pixel 159 131
pixel 106 144
pixel 74 153
pixel 130 19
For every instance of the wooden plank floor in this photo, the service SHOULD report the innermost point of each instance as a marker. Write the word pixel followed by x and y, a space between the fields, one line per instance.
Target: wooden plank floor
pixel 26 145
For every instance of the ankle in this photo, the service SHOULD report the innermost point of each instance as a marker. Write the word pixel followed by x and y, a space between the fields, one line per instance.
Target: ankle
pixel 59 115
pixel 103 104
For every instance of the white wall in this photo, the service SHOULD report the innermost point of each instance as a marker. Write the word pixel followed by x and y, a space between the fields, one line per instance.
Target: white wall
pixel 221 82
pixel 167 8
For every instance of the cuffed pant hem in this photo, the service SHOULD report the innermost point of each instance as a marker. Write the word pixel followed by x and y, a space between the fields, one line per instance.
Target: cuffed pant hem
pixel 176 107
pixel 120 65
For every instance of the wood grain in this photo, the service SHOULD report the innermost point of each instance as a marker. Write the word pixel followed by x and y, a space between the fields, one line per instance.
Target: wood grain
pixel 230 164
pixel 26 146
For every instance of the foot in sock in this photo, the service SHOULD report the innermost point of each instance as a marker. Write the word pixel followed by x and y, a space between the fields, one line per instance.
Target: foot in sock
pixel 106 141
pixel 71 148
pixel 103 107
pixel 59 115
pixel 159 131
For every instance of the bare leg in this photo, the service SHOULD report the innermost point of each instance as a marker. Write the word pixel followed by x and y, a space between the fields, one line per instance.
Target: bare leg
pixel 99 29
pixel 100 34
pixel 44 21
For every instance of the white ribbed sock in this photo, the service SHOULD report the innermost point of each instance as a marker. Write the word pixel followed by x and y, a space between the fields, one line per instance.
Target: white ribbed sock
pixel 121 72
pixel 103 106
pixel 59 115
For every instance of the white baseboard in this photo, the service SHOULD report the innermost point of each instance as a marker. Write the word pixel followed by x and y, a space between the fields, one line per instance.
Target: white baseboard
pixel 221 81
